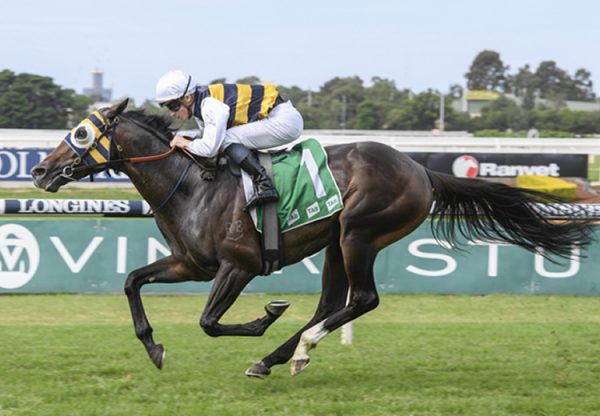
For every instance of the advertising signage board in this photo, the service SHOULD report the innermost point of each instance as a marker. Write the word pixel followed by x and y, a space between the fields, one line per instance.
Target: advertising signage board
pixel 505 165
pixel 95 255
pixel 15 164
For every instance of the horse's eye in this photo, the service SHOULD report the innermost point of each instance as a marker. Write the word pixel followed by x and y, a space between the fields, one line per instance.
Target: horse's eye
pixel 83 136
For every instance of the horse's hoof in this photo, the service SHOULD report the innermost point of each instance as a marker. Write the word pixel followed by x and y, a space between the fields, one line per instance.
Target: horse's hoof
pixel 258 370
pixel 157 355
pixel 299 365
pixel 277 307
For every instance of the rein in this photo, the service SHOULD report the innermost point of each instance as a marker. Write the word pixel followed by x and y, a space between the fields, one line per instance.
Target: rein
pixel 168 198
pixel 152 158
pixel 162 138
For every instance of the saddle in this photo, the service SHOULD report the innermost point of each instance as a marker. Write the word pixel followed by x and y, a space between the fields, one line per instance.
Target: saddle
pixel 208 166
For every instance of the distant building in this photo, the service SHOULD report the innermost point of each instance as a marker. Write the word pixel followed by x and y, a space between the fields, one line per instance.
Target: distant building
pixel 98 92
pixel 474 100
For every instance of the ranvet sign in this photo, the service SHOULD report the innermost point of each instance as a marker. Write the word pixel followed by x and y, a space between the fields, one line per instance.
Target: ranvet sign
pixel 499 165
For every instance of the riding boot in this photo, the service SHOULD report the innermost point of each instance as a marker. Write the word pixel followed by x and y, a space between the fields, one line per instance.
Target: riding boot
pixel 264 190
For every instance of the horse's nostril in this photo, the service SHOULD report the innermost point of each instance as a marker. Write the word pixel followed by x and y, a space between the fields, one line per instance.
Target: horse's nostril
pixel 38 171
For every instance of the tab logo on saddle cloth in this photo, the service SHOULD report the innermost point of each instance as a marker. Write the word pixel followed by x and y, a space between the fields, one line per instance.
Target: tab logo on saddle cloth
pixel 307 189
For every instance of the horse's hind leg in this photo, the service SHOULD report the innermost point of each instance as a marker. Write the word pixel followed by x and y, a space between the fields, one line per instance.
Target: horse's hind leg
pixel 359 258
pixel 333 298
pixel 375 215
pixel 166 270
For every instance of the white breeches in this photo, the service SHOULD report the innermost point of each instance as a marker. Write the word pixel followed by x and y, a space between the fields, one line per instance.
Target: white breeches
pixel 283 126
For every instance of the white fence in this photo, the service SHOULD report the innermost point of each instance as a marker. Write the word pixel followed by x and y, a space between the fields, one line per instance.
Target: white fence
pixel 413 141
pixel 454 143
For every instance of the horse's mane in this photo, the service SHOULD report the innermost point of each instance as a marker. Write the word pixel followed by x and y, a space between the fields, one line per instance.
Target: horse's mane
pixel 156 121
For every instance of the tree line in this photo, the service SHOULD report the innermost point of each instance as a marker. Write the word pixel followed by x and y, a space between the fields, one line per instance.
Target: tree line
pixel 488 72
pixel 34 101
pixel 31 101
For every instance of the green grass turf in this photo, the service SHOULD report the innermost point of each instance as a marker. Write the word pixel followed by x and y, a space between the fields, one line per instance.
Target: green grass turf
pixel 414 355
pixel 70 193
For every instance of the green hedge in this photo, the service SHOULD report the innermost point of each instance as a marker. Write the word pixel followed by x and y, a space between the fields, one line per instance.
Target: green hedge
pixel 523 134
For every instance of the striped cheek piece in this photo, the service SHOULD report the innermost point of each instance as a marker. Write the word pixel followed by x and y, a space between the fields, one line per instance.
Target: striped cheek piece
pixel 98 150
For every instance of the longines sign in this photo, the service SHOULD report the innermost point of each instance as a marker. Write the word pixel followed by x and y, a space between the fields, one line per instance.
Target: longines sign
pixel 95 255
pixel 107 207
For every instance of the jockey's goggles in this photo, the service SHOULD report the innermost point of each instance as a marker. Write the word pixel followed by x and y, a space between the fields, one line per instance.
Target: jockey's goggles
pixel 175 105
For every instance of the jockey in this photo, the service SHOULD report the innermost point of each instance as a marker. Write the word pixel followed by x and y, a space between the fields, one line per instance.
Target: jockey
pixel 232 118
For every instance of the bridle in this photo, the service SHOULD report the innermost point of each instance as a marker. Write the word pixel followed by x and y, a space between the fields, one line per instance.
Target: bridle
pixel 96 157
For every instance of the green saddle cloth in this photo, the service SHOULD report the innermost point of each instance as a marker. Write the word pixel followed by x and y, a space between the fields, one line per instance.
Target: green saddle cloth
pixel 307 190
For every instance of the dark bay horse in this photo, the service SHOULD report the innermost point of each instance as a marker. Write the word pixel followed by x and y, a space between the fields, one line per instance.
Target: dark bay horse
pixel 386 196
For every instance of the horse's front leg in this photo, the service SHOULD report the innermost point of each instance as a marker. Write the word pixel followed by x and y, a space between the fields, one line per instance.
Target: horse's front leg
pixel 229 283
pixel 166 270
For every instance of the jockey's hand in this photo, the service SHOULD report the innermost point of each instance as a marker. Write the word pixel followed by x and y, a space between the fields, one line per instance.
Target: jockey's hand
pixel 180 141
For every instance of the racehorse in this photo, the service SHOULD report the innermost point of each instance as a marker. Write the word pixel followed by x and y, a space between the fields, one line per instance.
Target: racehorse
pixel 386 195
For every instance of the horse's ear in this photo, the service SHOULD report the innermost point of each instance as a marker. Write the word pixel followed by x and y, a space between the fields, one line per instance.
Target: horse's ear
pixel 117 109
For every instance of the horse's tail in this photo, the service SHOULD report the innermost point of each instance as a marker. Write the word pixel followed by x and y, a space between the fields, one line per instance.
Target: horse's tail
pixel 481 210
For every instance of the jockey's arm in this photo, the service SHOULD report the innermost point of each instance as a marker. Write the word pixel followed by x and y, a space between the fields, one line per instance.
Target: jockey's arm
pixel 215 115
pixel 190 134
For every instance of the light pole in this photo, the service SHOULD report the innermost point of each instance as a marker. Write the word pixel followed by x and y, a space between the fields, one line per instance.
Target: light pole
pixel 441 112
pixel 343 123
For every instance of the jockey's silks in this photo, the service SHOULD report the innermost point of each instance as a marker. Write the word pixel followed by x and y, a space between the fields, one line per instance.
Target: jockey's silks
pixel 98 153
pixel 248 103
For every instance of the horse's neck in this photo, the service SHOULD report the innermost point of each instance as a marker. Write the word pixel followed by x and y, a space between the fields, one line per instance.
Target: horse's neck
pixel 156 181
pixel 163 183
pixel 170 183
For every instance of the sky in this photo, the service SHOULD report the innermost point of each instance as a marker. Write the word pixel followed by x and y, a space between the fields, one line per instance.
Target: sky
pixel 417 44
